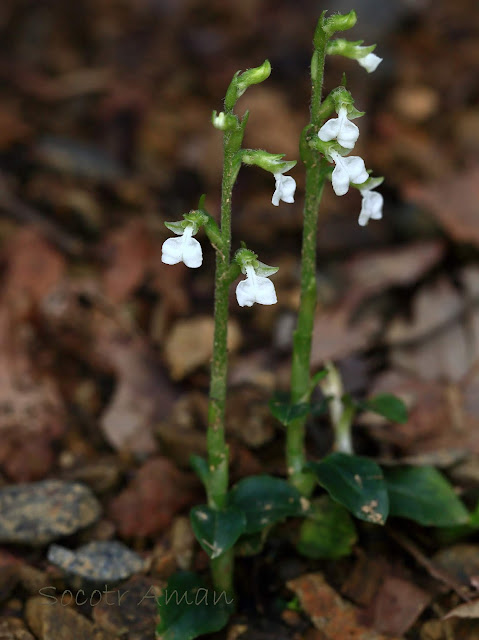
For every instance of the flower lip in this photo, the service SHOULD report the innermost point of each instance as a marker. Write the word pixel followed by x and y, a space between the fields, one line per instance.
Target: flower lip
pixel 371 206
pixel 183 249
pixel 370 62
pixel 255 289
pixel 347 170
pixel 285 188
pixel 340 129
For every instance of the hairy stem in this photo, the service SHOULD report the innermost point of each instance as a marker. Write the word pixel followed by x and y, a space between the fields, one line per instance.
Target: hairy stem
pixel 218 451
pixel 302 338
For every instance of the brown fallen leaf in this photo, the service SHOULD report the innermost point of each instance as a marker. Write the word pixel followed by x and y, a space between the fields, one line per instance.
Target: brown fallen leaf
pixel 454 201
pixel 190 344
pixel 333 616
pixel 157 492
pixel 398 605
pixel 465 610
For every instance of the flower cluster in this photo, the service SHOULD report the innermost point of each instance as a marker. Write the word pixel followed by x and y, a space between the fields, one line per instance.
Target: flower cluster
pixel 350 169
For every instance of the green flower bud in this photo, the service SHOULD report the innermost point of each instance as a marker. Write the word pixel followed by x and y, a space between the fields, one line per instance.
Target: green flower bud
pixel 242 81
pixel 224 121
pixel 339 22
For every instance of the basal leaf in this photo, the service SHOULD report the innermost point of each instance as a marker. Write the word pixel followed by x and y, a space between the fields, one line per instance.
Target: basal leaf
pixel 188 609
pixel 389 406
pixel 285 412
pixel 355 482
pixel 424 495
pixel 217 531
pixel 328 530
pixel 265 500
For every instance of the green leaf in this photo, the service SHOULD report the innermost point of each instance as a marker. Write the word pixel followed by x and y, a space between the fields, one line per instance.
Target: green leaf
pixel 217 531
pixel 187 609
pixel 424 495
pixel 285 412
pixel 389 406
pixel 200 467
pixel 355 482
pixel 328 531
pixel 265 500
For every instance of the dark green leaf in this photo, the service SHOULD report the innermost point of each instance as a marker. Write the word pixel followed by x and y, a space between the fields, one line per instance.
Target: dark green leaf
pixel 187 609
pixel 355 482
pixel 424 495
pixel 285 412
pixel 389 406
pixel 265 500
pixel 217 531
pixel 320 408
pixel 200 467
pixel 328 530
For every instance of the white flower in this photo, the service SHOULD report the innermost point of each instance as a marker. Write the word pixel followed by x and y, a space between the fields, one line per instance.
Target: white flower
pixel 285 188
pixel 371 206
pixel 255 289
pixel 370 62
pixel 341 129
pixel 183 249
pixel 347 170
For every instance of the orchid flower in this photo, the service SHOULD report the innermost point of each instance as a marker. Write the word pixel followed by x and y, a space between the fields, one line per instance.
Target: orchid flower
pixel 371 206
pixel 340 129
pixel 370 62
pixel 255 289
pixel 285 188
pixel 183 249
pixel 347 170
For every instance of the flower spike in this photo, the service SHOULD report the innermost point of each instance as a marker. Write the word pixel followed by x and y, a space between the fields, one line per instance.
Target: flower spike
pixel 183 249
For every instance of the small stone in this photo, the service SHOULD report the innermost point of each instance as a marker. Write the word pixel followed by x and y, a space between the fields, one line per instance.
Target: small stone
pixel 40 512
pixel 49 619
pixel 97 562
pixel 14 629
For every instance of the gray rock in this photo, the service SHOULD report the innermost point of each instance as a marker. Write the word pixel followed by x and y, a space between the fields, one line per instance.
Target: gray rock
pixel 40 512
pixel 104 562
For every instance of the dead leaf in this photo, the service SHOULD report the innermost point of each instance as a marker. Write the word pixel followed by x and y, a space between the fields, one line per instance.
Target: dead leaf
pixel 398 605
pixel 333 616
pixel 465 610
pixel 190 344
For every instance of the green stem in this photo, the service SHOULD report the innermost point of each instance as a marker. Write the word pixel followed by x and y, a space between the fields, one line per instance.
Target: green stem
pixel 218 451
pixel 302 338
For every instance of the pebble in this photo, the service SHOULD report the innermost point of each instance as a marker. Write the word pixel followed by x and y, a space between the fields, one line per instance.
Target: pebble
pixel 40 512
pixel 105 562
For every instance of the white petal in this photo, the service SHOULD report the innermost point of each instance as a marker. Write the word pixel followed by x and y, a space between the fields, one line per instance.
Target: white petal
pixel 340 179
pixel 172 251
pixel 371 208
pixel 356 169
pixel 348 134
pixel 245 293
pixel 285 188
pixel 329 130
pixel 265 291
pixel 192 253
pixel 370 62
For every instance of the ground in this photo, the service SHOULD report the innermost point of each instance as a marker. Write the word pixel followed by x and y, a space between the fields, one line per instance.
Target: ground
pixel 105 134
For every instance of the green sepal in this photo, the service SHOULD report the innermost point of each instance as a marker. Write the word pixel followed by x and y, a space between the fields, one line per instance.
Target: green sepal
pixel 271 162
pixel 348 49
pixel 355 482
pixel 245 258
pixel 188 609
pixel 217 530
pixel 370 183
